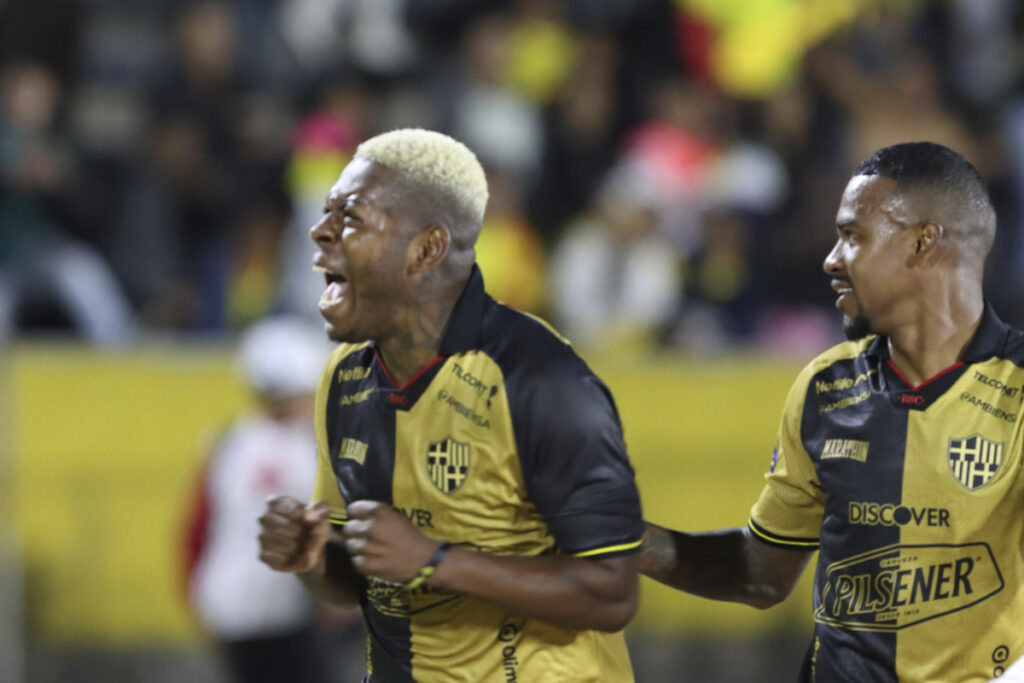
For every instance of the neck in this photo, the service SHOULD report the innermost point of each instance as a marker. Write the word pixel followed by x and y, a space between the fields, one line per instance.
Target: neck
pixel 404 362
pixel 420 327
pixel 937 334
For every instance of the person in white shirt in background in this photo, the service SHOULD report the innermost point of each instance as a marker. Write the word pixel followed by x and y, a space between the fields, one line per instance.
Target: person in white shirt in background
pixel 261 619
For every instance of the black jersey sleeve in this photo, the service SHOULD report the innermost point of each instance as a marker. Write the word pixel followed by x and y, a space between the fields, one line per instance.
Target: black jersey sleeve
pixel 574 459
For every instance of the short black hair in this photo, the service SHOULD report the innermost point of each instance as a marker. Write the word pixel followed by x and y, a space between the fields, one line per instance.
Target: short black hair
pixel 913 163
pixel 967 209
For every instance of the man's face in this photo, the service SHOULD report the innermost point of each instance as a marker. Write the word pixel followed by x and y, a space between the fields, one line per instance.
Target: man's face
pixel 868 264
pixel 362 251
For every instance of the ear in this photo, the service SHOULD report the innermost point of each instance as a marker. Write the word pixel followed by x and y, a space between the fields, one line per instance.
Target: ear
pixel 927 251
pixel 428 249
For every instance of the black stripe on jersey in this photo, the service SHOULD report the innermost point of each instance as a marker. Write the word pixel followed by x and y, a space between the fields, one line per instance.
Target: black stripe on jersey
pixel 390 660
pixel 869 417
pixel 380 468
pixel 349 397
pixel 370 418
pixel 390 637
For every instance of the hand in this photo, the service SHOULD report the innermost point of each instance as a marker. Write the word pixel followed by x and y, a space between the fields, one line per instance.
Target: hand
pixel 384 544
pixel 293 535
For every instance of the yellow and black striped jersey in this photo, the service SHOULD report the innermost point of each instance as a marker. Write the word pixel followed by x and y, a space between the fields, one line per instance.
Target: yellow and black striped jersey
pixel 508 444
pixel 914 496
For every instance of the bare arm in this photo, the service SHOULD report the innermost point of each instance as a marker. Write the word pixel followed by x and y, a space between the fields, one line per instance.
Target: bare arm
pixel 571 592
pixel 567 591
pixel 729 564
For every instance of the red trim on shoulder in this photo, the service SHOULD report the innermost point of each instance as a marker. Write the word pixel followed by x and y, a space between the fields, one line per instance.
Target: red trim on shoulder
pixel 906 381
pixel 387 373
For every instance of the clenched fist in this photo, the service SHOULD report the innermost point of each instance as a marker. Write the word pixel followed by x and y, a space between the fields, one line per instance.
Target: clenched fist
pixel 382 542
pixel 293 535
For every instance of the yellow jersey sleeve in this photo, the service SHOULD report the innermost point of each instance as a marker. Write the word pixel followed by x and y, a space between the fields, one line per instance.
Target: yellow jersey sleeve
pixel 790 508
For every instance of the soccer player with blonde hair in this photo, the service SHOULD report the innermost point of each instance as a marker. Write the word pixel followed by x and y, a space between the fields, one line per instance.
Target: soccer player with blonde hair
pixel 474 494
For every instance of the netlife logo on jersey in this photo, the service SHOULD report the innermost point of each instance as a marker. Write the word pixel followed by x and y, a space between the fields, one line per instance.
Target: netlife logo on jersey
pixel 898 586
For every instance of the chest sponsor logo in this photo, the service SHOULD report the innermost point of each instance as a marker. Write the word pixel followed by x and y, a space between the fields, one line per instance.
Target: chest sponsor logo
pixel 354 398
pixel 887 514
pixel 996 383
pixel 841 383
pixel 474 383
pixel 448 464
pixel 909 398
pixel 350 374
pixel 393 600
pixel 463 410
pixel 353 449
pixel 984 405
pixel 844 402
pixel 902 585
pixel 845 448
pixel 974 460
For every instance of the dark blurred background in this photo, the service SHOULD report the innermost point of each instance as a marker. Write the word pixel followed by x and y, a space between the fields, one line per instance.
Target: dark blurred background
pixel 664 177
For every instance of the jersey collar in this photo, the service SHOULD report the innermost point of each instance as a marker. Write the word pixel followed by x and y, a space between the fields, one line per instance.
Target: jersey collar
pixel 467 317
pixel 988 340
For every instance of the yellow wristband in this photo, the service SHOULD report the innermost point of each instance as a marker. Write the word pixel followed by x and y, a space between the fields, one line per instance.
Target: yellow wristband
pixel 430 567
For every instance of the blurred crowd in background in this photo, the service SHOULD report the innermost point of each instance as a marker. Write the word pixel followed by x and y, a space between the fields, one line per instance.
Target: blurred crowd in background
pixel 660 170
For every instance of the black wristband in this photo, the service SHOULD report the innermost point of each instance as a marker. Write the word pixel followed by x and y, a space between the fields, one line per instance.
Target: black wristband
pixel 430 567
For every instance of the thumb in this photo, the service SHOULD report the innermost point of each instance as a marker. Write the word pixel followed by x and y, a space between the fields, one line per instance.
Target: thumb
pixel 316 513
pixel 318 532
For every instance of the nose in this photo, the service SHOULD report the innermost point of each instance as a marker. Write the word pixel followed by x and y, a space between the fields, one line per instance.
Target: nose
pixel 833 262
pixel 321 232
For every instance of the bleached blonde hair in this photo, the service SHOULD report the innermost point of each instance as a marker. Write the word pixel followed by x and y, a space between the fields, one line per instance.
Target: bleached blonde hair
pixel 435 161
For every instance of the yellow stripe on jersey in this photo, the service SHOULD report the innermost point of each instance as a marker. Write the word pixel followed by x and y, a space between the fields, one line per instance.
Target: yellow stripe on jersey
pixel 549 327
pixel 763 533
pixel 609 549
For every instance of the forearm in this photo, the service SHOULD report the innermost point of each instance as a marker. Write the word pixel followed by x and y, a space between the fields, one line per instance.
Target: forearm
pixel 567 591
pixel 333 579
pixel 727 564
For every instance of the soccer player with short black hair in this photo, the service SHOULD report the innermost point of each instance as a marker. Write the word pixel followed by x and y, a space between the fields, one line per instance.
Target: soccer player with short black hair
pixel 899 456
pixel 484 511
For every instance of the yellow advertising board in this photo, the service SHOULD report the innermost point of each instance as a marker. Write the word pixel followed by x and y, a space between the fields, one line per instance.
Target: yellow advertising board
pixel 107 446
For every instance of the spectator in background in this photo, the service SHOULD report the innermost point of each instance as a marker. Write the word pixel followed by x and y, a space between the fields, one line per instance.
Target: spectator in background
pixel 614 276
pixel 264 621
pixel 553 92
pixel 479 107
pixel 579 138
pixel 199 180
pixel 509 250
pixel 892 95
pixel 323 141
pixel 48 280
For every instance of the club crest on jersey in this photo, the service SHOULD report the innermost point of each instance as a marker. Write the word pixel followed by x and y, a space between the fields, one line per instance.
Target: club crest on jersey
pixel 974 460
pixel 448 464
